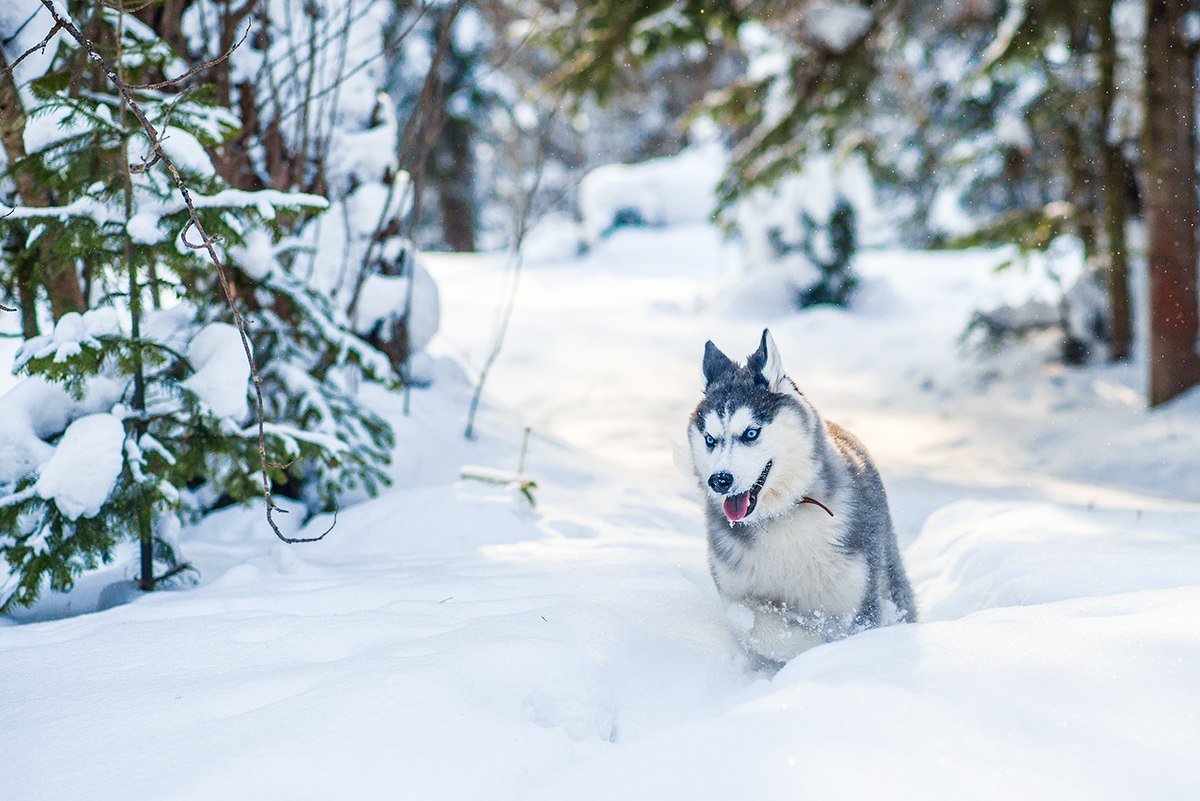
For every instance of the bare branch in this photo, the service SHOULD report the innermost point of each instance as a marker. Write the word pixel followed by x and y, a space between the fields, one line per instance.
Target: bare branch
pixel 151 158
pixel 207 244
pixel 366 62
pixel 39 47
pixel 415 145
pixel 129 10
pixel 206 65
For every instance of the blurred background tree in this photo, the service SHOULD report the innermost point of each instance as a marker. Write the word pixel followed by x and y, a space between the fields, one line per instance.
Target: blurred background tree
pixel 983 122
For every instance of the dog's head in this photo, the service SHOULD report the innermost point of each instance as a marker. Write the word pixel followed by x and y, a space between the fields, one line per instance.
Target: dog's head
pixel 753 435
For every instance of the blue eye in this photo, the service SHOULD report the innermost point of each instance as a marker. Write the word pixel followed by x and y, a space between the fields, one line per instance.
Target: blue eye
pixel 709 441
pixel 751 434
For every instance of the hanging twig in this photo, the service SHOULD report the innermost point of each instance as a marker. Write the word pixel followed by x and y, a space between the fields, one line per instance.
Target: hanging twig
pixel 524 449
pixel 207 243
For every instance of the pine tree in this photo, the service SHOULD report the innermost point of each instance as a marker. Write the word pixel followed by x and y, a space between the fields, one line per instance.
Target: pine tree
pixel 150 386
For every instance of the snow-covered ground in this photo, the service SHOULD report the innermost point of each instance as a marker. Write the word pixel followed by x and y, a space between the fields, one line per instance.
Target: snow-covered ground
pixel 446 641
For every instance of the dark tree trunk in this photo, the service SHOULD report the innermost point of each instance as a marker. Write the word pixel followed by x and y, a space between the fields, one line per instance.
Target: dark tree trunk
pixel 1113 183
pixel 62 281
pixel 1082 140
pixel 454 174
pixel 1079 177
pixel 1172 213
pixel 27 298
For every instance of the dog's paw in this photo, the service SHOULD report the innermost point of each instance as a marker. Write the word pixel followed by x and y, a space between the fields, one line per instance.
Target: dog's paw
pixel 776 636
pixel 741 617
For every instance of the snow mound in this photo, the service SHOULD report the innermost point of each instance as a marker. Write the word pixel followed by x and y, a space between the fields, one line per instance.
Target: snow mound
pixel 658 192
pixel 384 298
pixel 71 334
pixel 776 214
pixel 1059 701
pixel 770 292
pixel 974 555
pixel 222 372
pixel 555 238
pixel 85 466
pixel 34 411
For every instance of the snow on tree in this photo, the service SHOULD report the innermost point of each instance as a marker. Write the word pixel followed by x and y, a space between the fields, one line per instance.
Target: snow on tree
pixel 305 210
pixel 982 123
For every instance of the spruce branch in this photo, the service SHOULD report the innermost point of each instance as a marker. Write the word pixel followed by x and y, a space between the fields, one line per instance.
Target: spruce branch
pixel 207 244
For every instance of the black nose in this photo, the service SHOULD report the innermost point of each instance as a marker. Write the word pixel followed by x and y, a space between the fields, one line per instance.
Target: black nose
pixel 720 482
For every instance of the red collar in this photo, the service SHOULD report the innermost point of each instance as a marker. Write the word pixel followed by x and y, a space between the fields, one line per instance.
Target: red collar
pixel 816 503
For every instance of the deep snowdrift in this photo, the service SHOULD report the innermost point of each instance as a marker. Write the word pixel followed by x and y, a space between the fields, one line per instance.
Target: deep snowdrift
pixel 449 642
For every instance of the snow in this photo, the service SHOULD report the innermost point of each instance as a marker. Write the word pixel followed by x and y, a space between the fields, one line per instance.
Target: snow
pixel 143 228
pixel 771 291
pixel 448 641
pixel 222 373
pixel 85 466
pixel 186 151
pixel 385 297
pixel 665 191
pixel 837 26
pixel 813 190
pixel 554 238
pixel 990 554
pixel 33 412
pixel 264 201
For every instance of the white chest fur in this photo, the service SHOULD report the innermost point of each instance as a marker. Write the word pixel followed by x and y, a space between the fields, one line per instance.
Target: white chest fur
pixel 795 560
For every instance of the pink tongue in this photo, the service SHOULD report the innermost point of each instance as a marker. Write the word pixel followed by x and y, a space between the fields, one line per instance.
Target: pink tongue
pixel 736 506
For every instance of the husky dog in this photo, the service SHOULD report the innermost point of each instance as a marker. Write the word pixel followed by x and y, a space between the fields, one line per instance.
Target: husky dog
pixel 800 539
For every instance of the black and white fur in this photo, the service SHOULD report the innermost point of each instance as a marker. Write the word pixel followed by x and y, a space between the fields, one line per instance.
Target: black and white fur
pixel 815 557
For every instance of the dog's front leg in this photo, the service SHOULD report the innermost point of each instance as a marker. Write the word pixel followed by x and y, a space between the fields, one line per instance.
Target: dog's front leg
pixel 767 628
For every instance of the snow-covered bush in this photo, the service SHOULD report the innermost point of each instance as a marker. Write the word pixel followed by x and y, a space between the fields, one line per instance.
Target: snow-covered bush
pixel 124 438
pixel 1066 299
pixel 816 218
pixel 663 191
pixel 133 417
pixel 307 89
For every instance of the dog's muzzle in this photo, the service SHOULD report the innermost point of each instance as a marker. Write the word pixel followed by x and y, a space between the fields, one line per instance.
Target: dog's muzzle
pixel 739 507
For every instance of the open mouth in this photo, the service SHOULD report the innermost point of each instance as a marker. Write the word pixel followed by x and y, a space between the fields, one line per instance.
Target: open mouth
pixel 738 507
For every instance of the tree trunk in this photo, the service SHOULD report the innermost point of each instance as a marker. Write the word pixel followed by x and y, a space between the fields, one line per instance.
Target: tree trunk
pixel 454 174
pixel 27 298
pixel 1113 181
pixel 1079 178
pixel 62 282
pixel 1172 213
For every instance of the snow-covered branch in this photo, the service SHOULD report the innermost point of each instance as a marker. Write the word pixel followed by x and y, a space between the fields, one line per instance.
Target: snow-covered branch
pixel 207 243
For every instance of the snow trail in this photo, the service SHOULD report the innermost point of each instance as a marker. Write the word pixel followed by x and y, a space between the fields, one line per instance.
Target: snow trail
pixel 449 642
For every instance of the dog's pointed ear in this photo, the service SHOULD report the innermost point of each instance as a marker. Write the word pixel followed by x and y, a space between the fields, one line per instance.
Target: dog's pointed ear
pixel 716 363
pixel 765 363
